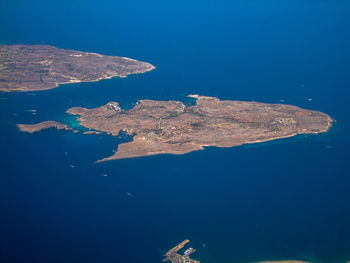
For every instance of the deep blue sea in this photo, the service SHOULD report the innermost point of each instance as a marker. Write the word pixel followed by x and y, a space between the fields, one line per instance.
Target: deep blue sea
pixel 286 199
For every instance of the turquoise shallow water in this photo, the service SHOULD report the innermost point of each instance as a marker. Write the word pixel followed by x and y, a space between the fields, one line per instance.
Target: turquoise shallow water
pixel 277 200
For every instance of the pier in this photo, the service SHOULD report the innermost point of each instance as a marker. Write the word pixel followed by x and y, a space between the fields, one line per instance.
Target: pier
pixel 175 257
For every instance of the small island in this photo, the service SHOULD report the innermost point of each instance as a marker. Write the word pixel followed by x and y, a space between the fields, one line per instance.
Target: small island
pixel 171 127
pixel 42 67
pixel 31 128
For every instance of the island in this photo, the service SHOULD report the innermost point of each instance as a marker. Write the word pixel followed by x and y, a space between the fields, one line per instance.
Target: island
pixel 31 128
pixel 174 257
pixel 171 127
pixel 43 67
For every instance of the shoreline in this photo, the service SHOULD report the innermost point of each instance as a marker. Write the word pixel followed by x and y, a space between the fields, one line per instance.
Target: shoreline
pixel 57 85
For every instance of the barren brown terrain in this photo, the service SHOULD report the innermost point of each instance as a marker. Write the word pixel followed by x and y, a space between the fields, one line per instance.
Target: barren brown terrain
pixel 41 67
pixel 170 127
